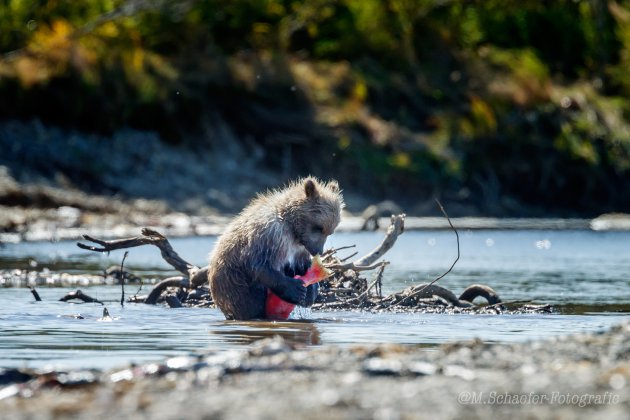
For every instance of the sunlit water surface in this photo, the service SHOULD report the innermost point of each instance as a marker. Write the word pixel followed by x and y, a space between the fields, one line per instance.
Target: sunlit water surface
pixel 584 274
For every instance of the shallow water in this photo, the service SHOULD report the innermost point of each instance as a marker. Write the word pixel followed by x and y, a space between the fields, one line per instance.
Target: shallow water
pixel 585 274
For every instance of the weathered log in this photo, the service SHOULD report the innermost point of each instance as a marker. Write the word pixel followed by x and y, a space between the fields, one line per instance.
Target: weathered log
pixel 78 294
pixel 172 301
pixel 200 277
pixel 163 285
pixel 480 290
pixel 424 291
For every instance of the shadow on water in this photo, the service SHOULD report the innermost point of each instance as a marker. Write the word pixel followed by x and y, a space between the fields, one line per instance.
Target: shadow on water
pixel 301 332
pixel 593 309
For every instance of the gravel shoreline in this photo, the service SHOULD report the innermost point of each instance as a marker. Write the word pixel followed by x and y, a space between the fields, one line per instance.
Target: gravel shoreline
pixel 569 377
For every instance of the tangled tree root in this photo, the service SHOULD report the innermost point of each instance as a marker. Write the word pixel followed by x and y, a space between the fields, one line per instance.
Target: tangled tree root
pixel 346 289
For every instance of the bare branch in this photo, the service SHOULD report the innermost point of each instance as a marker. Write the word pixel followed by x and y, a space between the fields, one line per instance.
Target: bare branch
pixel 419 291
pixel 352 266
pixel 456 236
pixel 396 227
pixel 122 279
pixel 332 251
pixel 349 256
pixel 368 262
pixel 377 279
pixel 194 276
pixel 35 294
pixel 149 237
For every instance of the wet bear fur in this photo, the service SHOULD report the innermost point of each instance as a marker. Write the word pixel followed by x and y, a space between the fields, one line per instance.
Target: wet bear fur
pixel 268 243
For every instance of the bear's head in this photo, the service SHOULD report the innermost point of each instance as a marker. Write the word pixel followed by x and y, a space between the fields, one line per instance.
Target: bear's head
pixel 315 213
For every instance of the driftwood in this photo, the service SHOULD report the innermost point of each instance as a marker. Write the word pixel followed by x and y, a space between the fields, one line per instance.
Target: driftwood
pixel 193 275
pixel 413 295
pixel 35 294
pixel 122 279
pixel 78 294
pixel 173 302
pixel 372 213
pixel 347 289
pixel 395 229
pixel 200 277
pixel 344 289
pixel 480 290
pixel 159 288
pixel 376 283
pixel 149 237
pixel 368 262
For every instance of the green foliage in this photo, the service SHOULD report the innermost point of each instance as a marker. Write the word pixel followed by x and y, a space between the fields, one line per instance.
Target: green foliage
pixel 569 35
pixel 414 93
pixel 619 71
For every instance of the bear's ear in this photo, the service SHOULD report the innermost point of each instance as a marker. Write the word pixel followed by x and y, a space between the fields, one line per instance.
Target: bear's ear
pixel 310 189
pixel 334 186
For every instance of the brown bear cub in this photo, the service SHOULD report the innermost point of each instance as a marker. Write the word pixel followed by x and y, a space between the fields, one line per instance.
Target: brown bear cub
pixel 268 243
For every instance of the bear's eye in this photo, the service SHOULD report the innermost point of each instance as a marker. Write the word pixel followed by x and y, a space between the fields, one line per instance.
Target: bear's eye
pixel 318 229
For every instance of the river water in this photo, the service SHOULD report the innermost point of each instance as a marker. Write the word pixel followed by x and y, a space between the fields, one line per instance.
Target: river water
pixel 584 274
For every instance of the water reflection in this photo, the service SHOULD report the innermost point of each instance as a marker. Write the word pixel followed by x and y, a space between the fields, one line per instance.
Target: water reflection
pixel 301 332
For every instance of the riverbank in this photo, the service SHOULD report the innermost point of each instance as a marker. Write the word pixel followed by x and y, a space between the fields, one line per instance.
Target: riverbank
pixel 570 377
pixel 411 103
pixel 118 219
pixel 59 184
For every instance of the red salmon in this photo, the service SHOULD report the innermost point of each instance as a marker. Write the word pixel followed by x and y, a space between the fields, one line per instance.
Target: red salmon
pixel 276 308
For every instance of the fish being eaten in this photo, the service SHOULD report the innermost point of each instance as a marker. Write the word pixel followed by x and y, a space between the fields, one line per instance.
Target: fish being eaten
pixel 276 308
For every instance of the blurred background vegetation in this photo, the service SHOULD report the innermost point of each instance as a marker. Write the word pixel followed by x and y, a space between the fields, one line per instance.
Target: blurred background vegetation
pixel 499 107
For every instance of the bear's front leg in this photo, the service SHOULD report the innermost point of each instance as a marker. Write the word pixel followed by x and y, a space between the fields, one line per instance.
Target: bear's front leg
pixel 288 289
